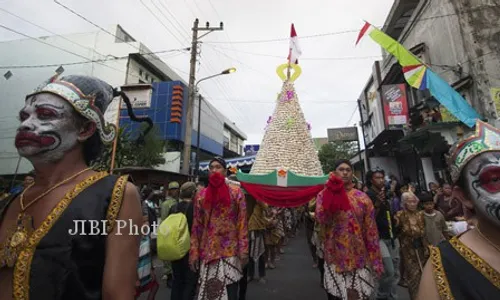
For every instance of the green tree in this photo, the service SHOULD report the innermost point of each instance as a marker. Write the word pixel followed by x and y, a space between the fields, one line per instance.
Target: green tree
pixel 331 152
pixel 130 153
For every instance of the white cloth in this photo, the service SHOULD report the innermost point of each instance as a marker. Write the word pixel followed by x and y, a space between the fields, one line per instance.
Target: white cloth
pixel 457 228
pixel 337 284
pixel 216 276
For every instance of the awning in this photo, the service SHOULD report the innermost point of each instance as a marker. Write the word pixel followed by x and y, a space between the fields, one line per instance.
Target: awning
pixel 428 138
pixel 232 162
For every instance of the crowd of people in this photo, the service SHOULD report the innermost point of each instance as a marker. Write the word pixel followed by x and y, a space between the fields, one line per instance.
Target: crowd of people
pixel 268 230
pixel 441 244
pixel 381 242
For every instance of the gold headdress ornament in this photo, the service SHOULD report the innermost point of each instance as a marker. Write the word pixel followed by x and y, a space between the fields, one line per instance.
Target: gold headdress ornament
pixel 83 104
pixel 486 138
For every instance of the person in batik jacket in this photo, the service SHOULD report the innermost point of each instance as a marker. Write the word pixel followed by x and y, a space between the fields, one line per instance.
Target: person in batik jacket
pixel 219 236
pixel 351 248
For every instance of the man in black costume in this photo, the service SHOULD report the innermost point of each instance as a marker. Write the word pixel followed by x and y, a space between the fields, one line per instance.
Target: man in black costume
pixel 62 130
pixel 468 266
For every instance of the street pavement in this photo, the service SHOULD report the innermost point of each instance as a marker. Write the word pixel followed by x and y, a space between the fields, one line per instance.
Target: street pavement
pixel 294 278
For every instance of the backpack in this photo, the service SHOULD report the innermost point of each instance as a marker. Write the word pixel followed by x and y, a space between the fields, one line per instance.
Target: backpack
pixel 173 241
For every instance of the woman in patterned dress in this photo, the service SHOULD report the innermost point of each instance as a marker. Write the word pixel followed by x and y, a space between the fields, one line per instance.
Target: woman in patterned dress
pixel 273 236
pixel 413 251
pixel 351 242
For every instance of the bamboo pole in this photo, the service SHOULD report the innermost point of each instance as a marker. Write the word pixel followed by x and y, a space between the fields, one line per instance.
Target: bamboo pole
pixel 115 142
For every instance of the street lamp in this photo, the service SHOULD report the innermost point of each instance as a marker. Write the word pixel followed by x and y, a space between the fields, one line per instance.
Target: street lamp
pixel 225 72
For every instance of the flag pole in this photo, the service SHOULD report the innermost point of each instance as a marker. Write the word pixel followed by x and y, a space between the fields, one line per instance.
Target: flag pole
pixel 289 56
pixel 289 65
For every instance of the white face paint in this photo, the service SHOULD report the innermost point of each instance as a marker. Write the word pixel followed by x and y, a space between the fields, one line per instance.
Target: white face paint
pixel 482 176
pixel 47 129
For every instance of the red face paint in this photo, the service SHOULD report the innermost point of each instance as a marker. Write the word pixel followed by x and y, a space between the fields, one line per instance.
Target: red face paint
pixel 24 139
pixel 490 179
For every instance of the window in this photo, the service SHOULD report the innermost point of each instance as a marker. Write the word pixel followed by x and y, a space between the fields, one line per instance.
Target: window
pixel 152 80
pixel 147 77
pixel 140 72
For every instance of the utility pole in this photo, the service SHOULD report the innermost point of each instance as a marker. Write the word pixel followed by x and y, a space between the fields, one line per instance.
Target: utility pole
pixel 197 170
pixel 192 91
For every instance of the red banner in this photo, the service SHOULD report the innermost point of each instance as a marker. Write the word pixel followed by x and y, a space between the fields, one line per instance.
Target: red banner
pixel 395 106
pixel 282 196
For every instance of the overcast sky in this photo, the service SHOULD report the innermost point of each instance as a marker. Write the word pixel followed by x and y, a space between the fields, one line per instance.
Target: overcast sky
pixel 255 41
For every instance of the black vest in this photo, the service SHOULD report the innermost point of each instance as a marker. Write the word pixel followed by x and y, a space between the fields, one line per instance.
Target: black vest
pixel 65 266
pixel 464 281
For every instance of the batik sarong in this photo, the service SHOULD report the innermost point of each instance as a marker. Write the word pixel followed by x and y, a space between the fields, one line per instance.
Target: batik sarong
pixel 257 243
pixel 337 284
pixel 288 219
pixel 319 246
pixel 216 276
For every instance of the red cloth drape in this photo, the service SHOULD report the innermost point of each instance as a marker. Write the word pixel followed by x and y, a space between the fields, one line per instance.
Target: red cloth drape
pixel 282 196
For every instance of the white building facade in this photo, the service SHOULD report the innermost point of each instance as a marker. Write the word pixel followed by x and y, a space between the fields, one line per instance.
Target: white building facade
pixel 119 60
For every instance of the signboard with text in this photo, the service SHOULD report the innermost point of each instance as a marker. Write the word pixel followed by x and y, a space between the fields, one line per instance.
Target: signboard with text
pixel 139 95
pixel 395 106
pixel 345 134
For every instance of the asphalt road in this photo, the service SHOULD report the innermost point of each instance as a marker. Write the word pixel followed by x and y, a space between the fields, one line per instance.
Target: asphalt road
pixel 293 279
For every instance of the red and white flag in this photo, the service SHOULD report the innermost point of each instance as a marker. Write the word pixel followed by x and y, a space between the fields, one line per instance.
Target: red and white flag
pixel 295 51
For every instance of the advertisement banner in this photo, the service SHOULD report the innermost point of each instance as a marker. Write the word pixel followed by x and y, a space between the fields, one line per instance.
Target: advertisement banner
pixel 395 106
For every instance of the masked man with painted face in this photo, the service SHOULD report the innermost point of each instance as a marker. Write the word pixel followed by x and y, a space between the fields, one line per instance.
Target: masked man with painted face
pixel 67 234
pixel 468 266
pixel 219 236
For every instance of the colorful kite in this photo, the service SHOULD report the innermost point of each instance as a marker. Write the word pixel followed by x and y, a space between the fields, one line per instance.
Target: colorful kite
pixel 421 77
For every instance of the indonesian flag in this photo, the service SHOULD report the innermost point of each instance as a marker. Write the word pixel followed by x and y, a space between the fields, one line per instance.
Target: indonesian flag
pixel 295 51
pixel 367 29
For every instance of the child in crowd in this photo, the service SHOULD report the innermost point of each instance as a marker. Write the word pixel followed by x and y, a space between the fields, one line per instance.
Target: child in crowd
pixel 436 229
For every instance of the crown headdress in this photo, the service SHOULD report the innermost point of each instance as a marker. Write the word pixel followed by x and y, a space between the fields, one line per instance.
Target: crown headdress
pixel 486 138
pixel 83 104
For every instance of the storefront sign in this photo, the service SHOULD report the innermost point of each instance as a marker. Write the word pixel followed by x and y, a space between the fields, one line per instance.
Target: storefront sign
pixel 395 106
pixel 139 95
pixel 251 149
pixel 345 134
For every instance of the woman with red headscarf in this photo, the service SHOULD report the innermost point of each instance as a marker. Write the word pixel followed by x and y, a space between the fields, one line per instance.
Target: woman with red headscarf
pixel 219 236
pixel 351 248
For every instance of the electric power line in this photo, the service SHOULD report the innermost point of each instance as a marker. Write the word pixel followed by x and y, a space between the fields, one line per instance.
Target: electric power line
pixel 46 30
pixel 88 61
pixel 94 24
pixel 160 21
pixel 348 31
pixel 63 49
pixel 274 101
pixel 305 58
pixel 352 115
pixel 174 18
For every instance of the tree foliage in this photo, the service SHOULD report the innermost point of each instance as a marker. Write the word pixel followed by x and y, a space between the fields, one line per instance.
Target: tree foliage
pixel 331 152
pixel 130 153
